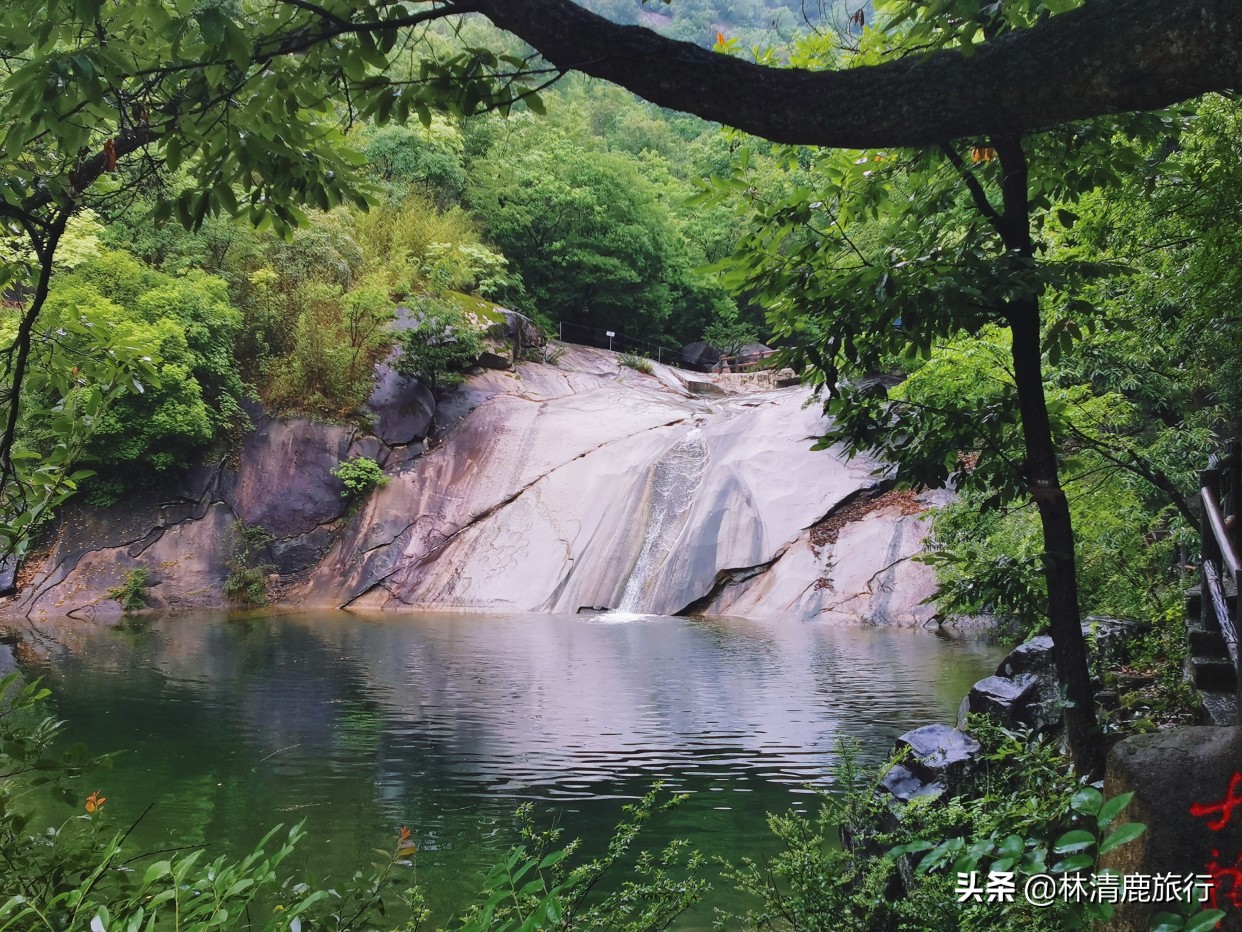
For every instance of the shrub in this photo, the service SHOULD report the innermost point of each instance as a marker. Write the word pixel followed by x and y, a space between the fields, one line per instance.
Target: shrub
pixel 359 475
pixel 247 580
pixel 641 363
pixel 444 342
pixel 333 342
pixel 1025 811
pixel 187 325
pixel 132 594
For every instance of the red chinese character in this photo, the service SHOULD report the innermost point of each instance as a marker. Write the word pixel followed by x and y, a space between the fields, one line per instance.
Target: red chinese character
pixel 1220 873
pixel 1233 797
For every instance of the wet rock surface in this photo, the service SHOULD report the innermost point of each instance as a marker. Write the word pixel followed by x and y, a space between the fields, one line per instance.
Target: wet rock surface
pixel 543 488
pixel 936 759
pixel 404 408
pixel 558 502
pixel 284 480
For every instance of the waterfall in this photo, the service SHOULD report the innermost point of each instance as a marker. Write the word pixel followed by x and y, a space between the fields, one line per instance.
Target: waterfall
pixel 674 480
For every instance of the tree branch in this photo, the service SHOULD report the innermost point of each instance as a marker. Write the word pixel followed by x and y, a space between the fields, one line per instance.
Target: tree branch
pixel 1105 57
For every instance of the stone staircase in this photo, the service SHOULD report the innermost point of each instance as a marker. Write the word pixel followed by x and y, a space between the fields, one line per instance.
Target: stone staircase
pixel 1208 666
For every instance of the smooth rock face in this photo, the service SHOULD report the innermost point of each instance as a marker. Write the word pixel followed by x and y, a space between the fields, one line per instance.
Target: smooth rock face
pixel 585 485
pixel 1187 785
pixel 284 479
pixel 552 488
pixel 865 576
pixel 404 408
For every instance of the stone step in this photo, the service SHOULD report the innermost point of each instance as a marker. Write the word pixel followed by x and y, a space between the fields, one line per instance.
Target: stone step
pixel 1220 708
pixel 1213 672
pixel 1206 642
pixel 1193 600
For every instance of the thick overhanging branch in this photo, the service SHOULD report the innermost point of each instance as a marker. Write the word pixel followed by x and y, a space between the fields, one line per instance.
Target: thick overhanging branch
pixel 1109 56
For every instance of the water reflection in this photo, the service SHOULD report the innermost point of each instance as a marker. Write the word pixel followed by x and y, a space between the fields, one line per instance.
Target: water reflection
pixel 443 722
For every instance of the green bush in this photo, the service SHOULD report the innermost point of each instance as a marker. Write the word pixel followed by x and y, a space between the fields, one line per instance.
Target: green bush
pixel 1025 811
pixel 246 583
pixel 188 326
pixel 132 594
pixel 333 341
pixel 359 475
pixel 641 363
pixel 443 343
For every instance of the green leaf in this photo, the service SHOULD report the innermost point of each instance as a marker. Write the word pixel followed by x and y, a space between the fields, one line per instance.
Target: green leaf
pixel 1202 922
pixel 1120 836
pixel 1070 865
pixel 1088 799
pixel 155 872
pixel 1110 809
pixel 1167 922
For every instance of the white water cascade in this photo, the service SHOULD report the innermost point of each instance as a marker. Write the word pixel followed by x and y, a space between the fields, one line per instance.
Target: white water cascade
pixel 675 479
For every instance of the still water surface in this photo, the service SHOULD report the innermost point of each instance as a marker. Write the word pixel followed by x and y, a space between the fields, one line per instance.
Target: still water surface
pixel 445 723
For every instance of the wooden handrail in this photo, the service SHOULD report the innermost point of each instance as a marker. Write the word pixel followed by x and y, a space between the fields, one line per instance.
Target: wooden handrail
pixel 1220 491
pixel 1215 592
pixel 1216 523
pixel 744 360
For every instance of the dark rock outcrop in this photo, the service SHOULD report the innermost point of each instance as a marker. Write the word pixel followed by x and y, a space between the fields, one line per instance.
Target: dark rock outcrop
pixel 404 409
pixel 284 480
pixel 1187 786
pixel 1025 693
pixel 937 758
pixel 8 575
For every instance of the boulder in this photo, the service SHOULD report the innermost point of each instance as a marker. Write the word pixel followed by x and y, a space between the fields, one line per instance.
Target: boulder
pixel 404 409
pixel 1025 692
pixel 1187 785
pixel 1026 700
pixel 938 758
pixel 903 785
pixel 700 355
pixel 1032 657
pixel 703 387
pixel 490 359
pixel 939 750
pixel 1110 638
pixel 8 575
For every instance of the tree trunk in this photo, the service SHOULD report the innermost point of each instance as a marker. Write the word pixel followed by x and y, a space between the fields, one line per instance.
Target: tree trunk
pixel 1060 570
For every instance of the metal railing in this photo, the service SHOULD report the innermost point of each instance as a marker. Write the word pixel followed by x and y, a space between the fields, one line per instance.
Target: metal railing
pixel 743 362
pixel 621 343
pixel 1221 495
